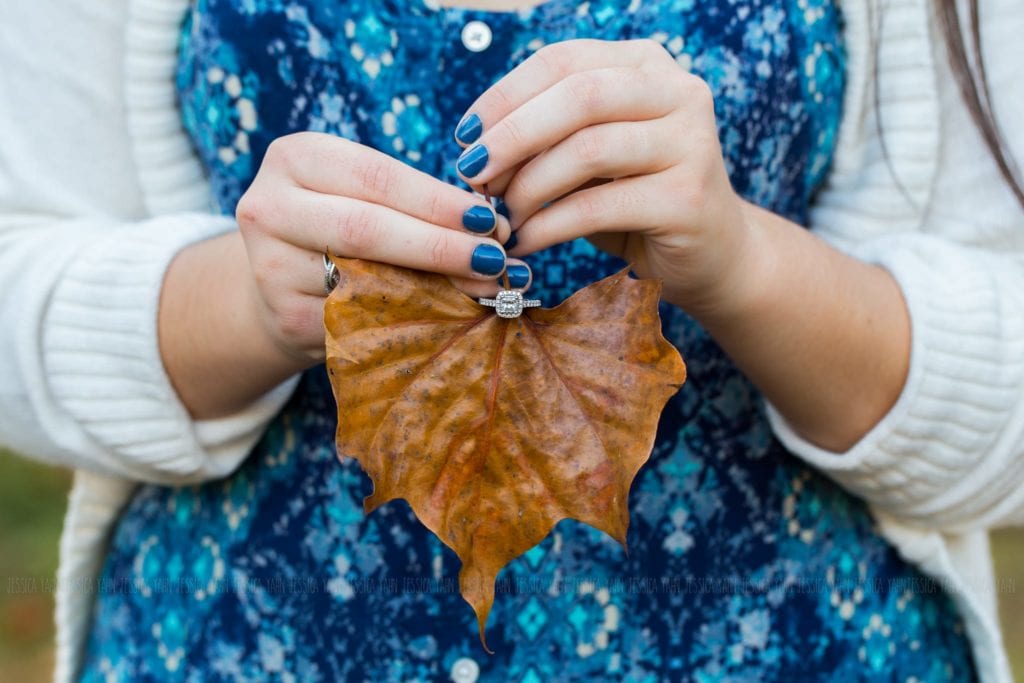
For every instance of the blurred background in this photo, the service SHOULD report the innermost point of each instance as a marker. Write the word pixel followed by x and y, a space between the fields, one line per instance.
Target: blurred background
pixel 32 501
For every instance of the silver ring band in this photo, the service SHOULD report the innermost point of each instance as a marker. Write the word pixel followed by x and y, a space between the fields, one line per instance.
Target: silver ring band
pixel 331 275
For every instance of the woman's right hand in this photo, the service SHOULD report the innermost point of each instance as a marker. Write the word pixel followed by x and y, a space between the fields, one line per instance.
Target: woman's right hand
pixel 315 192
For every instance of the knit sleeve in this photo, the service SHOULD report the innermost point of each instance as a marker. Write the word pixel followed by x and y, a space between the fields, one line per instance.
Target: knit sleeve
pixel 82 259
pixel 82 383
pixel 949 455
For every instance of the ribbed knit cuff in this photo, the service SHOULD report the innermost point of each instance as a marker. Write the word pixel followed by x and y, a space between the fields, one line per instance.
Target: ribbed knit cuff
pixel 943 454
pixel 104 366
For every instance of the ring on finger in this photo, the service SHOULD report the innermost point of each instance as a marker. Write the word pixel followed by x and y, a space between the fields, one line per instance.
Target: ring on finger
pixel 331 275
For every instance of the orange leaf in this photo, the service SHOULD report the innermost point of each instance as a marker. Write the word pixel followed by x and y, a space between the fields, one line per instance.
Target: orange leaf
pixel 494 429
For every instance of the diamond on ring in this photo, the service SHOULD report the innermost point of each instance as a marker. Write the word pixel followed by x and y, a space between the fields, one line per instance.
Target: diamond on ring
pixel 509 303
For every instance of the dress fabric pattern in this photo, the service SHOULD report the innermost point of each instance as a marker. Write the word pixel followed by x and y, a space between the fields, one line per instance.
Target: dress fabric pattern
pixel 744 564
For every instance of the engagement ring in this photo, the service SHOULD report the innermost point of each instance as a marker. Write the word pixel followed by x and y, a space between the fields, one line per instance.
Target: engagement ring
pixel 509 304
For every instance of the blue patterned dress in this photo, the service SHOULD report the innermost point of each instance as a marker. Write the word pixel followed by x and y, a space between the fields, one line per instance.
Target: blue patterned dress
pixel 744 564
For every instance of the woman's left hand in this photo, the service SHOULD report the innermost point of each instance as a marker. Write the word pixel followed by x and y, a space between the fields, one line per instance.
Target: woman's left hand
pixel 625 140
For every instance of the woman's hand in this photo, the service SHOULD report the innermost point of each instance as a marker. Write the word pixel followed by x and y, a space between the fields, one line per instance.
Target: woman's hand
pixel 315 192
pixel 623 144
pixel 242 312
pixel 625 140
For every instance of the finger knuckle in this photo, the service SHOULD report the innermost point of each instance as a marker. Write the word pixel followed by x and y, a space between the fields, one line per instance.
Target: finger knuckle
pixel 588 147
pixel 253 210
pixel 276 152
pixel 510 133
pixel 586 91
pixel 287 151
pixel 658 77
pixel 439 251
pixel 377 177
pixel 675 86
pixel 520 191
pixel 437 208
pixel 692 194
pixel 503 98
pixel 590 208
pixel 697 91
pixel 360 231
pixel 651 49
pixel 555 59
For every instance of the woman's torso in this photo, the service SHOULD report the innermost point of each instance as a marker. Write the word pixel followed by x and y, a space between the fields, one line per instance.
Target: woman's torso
pixel 743 564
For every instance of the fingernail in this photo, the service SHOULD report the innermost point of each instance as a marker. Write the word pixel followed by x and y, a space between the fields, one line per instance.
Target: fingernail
pixel 518 275
pixel 472 161
pixel 469 130
pixel 511 242
pixel 502 208
pixel 488 259
pixel 479 219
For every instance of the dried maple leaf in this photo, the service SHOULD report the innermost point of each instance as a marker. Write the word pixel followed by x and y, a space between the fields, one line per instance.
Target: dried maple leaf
pixel 494 429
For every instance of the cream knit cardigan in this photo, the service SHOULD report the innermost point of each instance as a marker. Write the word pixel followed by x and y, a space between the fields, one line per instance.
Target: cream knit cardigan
pixel 99 189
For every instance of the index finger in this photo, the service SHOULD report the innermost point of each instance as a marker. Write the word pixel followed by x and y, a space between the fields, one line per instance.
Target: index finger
pixel 332 165
pixel 543 69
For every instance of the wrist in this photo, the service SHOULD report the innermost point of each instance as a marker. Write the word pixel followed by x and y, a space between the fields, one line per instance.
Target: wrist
pixel 822 335
pixel 215 349
pixel 742 284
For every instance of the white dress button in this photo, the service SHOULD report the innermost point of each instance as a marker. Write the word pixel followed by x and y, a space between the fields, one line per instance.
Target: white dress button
pixel 465 670
pixel 476 36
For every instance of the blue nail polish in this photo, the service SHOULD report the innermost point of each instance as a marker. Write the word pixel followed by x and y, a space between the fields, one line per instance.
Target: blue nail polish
pixel 511 242
pixel 469 130
pixel 472 161
pixel 502 208
pixel 488 260
pixel 518 275
pixel 479 219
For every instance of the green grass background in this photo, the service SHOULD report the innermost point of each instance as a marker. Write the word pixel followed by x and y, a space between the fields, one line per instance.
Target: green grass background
pixel 32 502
